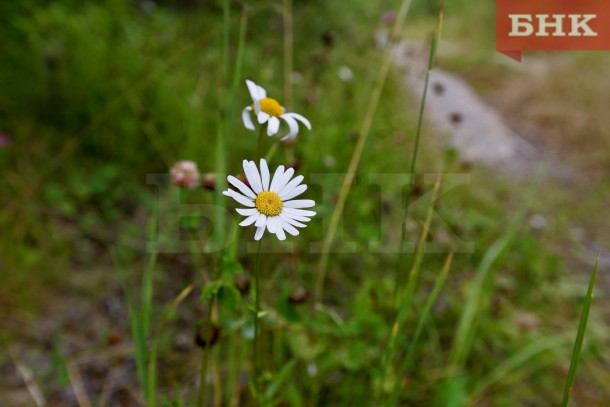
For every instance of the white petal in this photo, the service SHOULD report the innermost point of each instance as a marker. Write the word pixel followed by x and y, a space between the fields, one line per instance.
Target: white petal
pixel 246 212
pixel 274 225
pixel 291 221
pixel 241 186
pixel 250 219
pixel 292 125
pixel 299 203
pixel 283 180
pixel 294 192
pixel 273 126
pixel 245 117
pixel 262 117
pixel 300 118
pixel 253 89
pixel 295 213
pixel 253 177
pixel 262 93
pixel 279 172
pixel 291 185
pixel 279 230
pixel 264 174
pixel 261 221
pixel 259 233
pixel 271 225
pixel 289 228
pixel 239 198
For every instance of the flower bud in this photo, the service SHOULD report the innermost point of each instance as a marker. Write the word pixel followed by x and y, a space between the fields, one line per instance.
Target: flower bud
pixel 299 296
pixel 207 335
pixel 5 140
pixel 242 282
pixel 185 174
pixel 209 182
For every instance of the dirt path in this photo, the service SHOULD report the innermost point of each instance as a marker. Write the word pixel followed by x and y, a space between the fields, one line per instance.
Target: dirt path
pixel 478 131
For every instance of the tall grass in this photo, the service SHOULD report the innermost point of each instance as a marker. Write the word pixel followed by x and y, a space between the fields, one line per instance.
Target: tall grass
pixel 140 309
pixel 580 336
pixel 357 155
pixel 436 37
pixel 478 296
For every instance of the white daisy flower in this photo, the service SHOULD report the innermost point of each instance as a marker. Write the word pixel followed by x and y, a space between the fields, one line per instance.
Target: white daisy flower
pixel 268 200
pixel 268 110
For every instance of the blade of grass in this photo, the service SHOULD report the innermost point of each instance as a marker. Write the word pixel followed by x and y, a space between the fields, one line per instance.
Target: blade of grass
pixel 357 155
pixel 465 331
pixel 148 277
pixel 28 378
pixel 440 281
pixel 506 367
pixel 237 73
pixel 78 387
pixel 147 308
pixel 580 336
pixel 223 129
pixel 278 380
pixel 407 296
pixel 136 325
pixel 288 52
pixel 420 120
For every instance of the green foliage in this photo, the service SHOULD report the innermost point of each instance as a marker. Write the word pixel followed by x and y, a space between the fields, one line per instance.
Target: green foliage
pixel 100 94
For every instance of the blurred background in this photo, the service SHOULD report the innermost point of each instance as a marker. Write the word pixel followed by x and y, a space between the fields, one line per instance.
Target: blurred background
pixel 98 95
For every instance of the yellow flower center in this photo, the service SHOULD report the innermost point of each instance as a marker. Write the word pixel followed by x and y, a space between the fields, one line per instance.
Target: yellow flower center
pixel 270 106
pixel 269 203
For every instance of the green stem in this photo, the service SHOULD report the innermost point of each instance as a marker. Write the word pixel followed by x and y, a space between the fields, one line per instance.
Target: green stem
pixel 420 121
pixel 261 140
pixel 257 327
pixel 204 365
pixel 356 156
pixel 204 371
pixel 271 151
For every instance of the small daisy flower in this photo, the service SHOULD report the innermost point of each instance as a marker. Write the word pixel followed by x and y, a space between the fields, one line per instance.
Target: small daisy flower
pixel 185 174
pixel 268 110
pixel 268 200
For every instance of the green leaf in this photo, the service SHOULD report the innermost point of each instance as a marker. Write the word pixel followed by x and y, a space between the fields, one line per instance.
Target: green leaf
pixel 228 297
pixel 287 310
pixel 279 379
pixel 210 290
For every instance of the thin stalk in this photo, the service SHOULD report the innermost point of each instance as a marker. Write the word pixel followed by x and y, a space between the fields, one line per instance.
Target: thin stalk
pixel 233 369
pixel 148 277
pixel 580 336
pixel 440 281
pixel 147 299
pixel 222 132
pixel 202 379
pixel 205 353
pixel 357 155
pixel 237 77
pixel 407 296
pixel 226 34
pixel 151 397
pixel 271 151
pixel 261 140
pixel 257 327
pixel 420 120
pixel 288 53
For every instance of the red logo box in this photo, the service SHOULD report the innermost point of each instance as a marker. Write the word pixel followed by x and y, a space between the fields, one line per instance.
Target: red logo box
pixel 551 25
